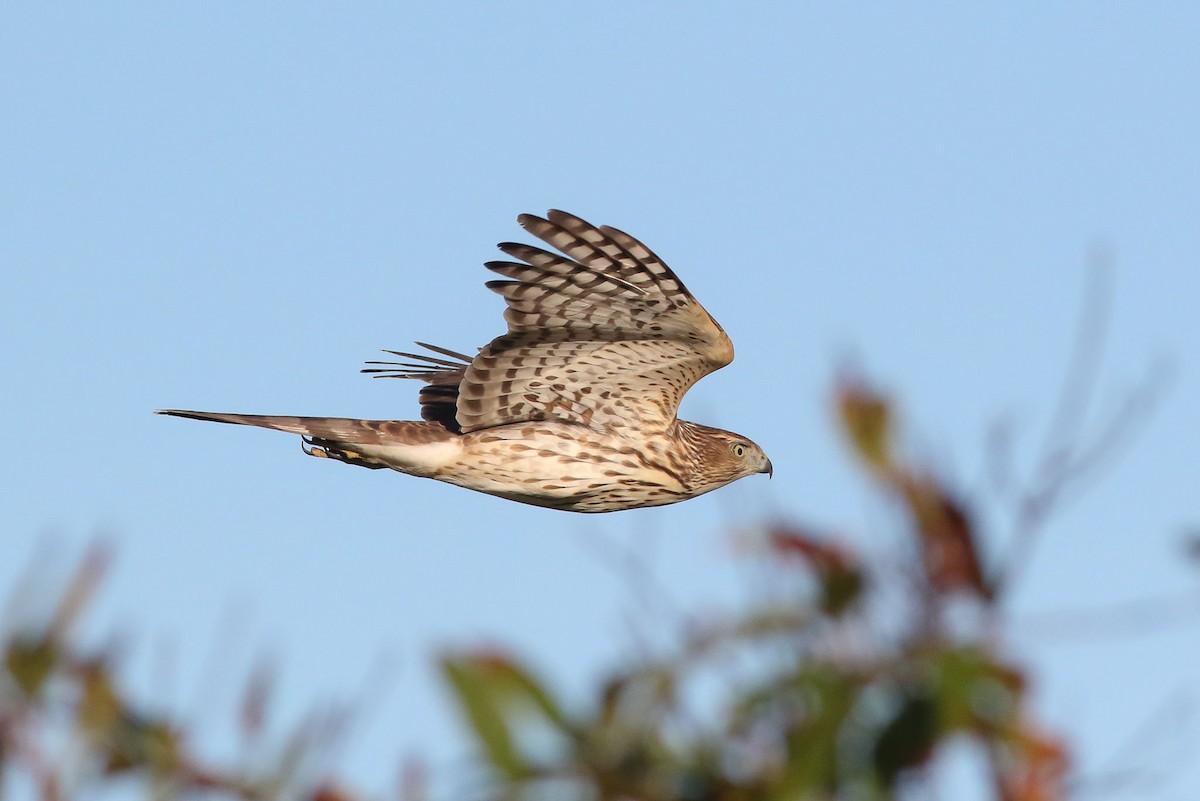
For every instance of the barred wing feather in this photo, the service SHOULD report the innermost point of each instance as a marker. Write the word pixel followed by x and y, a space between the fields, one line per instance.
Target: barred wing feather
pixel 605 335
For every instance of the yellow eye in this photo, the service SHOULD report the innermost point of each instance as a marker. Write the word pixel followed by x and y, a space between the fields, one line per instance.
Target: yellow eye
pixel 739 450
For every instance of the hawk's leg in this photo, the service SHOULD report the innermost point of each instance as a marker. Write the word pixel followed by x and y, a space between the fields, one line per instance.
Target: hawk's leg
pixel 328 449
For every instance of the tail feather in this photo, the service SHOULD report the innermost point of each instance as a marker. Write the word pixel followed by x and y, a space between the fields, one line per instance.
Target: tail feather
pixel 307 426
pixel 332 429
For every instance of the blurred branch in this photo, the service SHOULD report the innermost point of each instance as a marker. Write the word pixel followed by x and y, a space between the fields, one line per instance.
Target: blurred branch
pixel 1158 738
pixel 68 728
pixel 1137 617
pixel 1067 459
pixel 636 570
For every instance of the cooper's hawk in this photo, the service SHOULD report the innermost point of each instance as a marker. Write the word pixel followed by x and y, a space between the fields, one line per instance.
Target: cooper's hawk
pixel 574 408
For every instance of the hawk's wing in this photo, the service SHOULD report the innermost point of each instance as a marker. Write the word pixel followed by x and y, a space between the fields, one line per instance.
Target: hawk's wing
pixel 439 396
pixel 607 336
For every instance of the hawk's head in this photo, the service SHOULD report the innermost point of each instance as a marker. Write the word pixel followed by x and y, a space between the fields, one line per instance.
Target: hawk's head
pixel 722 457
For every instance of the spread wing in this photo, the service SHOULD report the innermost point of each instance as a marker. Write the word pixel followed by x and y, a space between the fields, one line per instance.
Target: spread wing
pixel 605 334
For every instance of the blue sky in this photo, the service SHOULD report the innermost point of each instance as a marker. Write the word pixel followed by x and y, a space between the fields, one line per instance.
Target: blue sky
pixel 231 206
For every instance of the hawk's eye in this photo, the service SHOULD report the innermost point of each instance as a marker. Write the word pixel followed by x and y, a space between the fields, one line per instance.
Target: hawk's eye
pixel 739 450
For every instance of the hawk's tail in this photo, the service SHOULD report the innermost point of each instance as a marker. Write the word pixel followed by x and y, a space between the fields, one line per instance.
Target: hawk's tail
pixel 361 442
pixel 331 428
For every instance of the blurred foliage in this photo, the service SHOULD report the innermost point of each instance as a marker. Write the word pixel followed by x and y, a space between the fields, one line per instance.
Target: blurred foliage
pixel 851 683
pixel 68 730
pixel 849 694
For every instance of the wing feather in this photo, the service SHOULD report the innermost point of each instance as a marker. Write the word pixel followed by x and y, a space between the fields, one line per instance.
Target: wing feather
pixel 442 377
pixel 605 334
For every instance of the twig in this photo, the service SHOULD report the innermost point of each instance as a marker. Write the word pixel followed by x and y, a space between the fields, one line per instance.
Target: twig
pixel 1158 729
pixel 1131 618
pixel 1067 460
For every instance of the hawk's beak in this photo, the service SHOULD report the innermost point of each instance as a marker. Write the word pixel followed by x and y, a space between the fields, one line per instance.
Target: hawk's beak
pixel 768 469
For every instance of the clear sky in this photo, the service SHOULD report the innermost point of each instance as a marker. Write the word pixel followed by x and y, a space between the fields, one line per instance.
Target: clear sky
pixel 229 206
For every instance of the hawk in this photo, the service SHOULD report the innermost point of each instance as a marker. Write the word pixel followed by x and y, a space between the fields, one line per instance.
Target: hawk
pixel 574 407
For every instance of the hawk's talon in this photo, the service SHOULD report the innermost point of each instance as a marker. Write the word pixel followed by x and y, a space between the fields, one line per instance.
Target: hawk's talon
pixel 313 449
pixel 326 451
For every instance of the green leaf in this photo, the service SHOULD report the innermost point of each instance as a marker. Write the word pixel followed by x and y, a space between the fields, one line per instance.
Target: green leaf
pixel 810 708
pixel 908 738
pixel 137 743
pixel 866 418
pixel 498 698
pixel 973 690
pixel 30 661
pixel 487 720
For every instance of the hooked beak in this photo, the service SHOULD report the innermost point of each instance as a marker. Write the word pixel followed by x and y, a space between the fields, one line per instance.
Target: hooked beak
pixel 768 470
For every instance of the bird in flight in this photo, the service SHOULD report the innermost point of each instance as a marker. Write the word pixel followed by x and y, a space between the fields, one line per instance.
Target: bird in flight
pixel 574 407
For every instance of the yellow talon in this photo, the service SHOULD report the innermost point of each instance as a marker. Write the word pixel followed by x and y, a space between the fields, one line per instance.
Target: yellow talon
pixel 313 450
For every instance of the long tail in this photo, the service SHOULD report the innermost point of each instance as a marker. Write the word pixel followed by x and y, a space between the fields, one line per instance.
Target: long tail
pixel 323 427
pixel 341 430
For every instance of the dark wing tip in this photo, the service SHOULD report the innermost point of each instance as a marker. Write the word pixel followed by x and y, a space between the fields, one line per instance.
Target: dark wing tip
pixel 507 248
pixel 525 220
pixel 569 221
pixel 500 287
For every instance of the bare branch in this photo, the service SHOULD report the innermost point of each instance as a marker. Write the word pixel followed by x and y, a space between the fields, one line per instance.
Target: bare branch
pixel 1138 617
pixel 1068 459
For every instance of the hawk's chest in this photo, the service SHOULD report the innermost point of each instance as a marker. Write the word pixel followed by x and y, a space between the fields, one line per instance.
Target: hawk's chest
pixel 561 464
